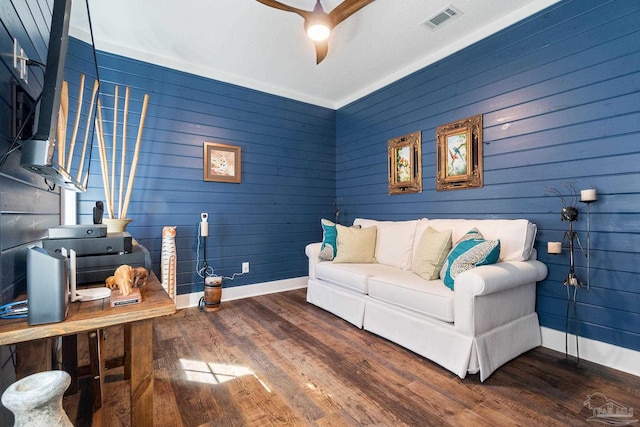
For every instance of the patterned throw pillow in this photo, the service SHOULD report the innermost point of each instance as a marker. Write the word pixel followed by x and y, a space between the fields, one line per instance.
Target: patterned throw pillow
pixel 329 245
pixel 469 252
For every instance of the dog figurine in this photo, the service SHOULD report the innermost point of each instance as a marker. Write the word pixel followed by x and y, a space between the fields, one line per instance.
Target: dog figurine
pixel 126 277
pixel 140 277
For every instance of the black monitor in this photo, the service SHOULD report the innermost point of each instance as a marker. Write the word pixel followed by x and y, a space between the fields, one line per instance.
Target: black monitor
pixel 42 152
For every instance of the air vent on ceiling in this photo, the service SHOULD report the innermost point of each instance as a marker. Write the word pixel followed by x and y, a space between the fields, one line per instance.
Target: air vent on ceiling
pixel 445 15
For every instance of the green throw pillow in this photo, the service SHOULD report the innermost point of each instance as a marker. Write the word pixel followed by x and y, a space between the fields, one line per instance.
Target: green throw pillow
pixel 356 245
pixel 469 252
pixel 431 251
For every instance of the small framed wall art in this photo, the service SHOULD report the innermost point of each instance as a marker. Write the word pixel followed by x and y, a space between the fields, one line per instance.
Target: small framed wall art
pixel 405 163
pixel 459 154
pixel 222 162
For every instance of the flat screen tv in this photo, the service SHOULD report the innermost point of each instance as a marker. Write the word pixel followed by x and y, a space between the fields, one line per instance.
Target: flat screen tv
pixel 60 146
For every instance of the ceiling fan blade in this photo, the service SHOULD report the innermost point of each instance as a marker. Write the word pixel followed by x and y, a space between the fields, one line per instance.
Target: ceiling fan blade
pixel 322 48
pixel 277 5
pixel 346 9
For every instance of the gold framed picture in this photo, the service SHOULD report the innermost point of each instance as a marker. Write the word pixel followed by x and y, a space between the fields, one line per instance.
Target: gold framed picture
pixel 405 163
pixel 222 162
pixel 459 154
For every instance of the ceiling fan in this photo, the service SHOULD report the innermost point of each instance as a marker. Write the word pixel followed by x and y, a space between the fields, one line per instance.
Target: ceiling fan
pixel 318 24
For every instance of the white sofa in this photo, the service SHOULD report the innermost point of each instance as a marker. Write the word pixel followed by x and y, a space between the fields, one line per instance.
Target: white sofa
pixel 486 321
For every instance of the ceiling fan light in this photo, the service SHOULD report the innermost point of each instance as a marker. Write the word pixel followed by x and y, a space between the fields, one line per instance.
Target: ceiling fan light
pixel 318 31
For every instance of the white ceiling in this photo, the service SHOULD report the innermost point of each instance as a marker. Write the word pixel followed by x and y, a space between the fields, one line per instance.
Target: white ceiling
pixel 247 43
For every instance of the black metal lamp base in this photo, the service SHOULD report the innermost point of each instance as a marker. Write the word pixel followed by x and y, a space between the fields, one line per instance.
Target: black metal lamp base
pixel 572 363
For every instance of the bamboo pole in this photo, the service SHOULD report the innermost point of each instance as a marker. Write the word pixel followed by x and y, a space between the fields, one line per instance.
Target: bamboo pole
pixel 134 163
pixel 114 144
pixel 62 123
pixel 60 140
pixel 74 134
pixel 104 161
pixel 86 132
pixel 123 160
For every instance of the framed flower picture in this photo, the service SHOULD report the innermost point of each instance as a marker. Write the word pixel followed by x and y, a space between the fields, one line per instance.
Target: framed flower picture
pixel 459 154
pixel 405 164
pixel 222 162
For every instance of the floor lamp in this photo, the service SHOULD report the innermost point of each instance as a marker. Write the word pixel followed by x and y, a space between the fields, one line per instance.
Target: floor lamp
pixel 570 214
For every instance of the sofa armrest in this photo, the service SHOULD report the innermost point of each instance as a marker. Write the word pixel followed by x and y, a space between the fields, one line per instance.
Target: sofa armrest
pixel 492 278
pixel 488 296
pixel 312 251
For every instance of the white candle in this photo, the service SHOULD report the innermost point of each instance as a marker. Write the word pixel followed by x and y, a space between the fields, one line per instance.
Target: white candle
pixel 588 195
pixel 554 247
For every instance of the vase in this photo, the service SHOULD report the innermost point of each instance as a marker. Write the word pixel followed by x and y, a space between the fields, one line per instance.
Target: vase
pixel 116 225
pixel 36 400
pixel 212 294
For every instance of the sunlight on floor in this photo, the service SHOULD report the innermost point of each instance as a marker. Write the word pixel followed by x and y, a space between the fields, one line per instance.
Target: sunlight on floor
pixel 215 373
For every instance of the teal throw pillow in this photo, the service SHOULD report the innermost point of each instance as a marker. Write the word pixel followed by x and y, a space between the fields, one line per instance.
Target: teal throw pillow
pixel 329 246
pixel 469 252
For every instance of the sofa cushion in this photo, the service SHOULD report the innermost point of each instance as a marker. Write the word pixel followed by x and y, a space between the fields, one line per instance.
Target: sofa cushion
pixel 394 242
pixel 433 248
pixel 355 244
pixel 469 252
pixel 517 236
pixel 329 235
pixel 440 225
pixel 351 276
pixel 407 290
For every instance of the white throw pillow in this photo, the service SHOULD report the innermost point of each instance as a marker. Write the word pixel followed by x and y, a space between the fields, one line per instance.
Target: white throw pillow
pixel 394 242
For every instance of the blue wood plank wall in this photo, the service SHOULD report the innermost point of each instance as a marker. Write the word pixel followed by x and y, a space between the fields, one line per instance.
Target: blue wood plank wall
pixel 27 207
pixel 288 172
pixel 560 98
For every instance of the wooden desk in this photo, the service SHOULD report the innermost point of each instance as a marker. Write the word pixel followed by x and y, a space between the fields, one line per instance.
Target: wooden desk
pixel 93 315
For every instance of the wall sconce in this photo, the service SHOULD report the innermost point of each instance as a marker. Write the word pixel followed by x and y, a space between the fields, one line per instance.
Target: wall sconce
pixel 570 214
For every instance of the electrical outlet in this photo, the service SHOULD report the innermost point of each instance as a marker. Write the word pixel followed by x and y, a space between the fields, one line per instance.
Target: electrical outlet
pixel 245 267
pixel 20 61
pixel 16 55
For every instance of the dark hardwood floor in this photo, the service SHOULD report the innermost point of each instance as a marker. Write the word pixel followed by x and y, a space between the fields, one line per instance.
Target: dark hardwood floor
pixel 275 360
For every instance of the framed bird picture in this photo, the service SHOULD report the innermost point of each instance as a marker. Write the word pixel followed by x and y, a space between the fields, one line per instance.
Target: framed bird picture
pixel 459 154
pixel 405 164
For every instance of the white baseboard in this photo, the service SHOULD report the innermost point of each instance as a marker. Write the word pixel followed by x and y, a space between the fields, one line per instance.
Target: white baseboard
pixel 247 291
pixel 620 358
